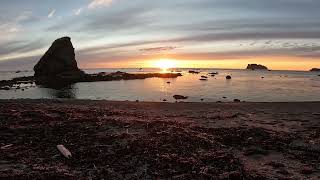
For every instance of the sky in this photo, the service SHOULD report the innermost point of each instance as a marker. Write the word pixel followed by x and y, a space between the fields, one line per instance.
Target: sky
pixel 281 34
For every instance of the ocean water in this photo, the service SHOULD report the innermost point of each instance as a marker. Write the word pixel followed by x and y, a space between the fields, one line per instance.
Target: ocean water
pixel 246 85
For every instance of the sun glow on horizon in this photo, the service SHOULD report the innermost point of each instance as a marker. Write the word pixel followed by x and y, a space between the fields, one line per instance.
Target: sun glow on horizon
pixel 165 64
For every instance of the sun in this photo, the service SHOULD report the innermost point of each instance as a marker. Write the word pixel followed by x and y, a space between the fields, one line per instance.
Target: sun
pixel 165 64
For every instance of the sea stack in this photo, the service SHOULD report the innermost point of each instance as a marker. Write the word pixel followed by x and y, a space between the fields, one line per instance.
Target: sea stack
pixel 58 63
pixel 256 67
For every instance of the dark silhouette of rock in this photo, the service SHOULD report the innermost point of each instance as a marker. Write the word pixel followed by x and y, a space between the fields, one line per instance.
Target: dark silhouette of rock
pixel 5 88
pixel 58 62
pixel 193 72
pixel 256 67
pixel 228 77
pixel 236 100
pixel 204 77
pixel 315 70
pixel 177 97
pixel 214 73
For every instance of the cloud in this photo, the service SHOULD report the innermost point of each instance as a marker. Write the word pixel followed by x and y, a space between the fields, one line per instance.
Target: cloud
pixel 158 49
pixel 98 3
pixel 51 14
pixel 78 11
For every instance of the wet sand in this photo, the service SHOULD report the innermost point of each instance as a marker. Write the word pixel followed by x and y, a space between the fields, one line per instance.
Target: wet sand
pixel 140 140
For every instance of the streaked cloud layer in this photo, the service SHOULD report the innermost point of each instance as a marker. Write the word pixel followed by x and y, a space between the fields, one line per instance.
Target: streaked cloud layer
pixel 112 32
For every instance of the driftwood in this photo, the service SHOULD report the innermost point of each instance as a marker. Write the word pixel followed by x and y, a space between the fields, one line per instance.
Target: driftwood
pixel 64 151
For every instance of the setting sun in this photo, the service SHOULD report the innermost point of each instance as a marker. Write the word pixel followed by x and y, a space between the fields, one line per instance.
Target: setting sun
pixel 165 64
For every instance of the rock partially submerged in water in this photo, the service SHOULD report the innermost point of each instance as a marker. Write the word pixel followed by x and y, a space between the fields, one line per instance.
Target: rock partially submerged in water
pixel 179 97
pixel 256 67
pixel 58 63
pixel 315 70
pixel 194 72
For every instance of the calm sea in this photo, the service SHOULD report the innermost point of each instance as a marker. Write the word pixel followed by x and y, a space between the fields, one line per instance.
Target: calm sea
pixel 246 85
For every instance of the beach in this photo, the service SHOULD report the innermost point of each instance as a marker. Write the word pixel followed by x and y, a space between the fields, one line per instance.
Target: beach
pixel 154 140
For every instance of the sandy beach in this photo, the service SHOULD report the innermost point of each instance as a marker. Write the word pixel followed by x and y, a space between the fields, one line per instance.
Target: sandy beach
pixel 141 140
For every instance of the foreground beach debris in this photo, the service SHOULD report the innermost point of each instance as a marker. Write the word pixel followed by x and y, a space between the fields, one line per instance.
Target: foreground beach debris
pixel 64 151
pixel 128 140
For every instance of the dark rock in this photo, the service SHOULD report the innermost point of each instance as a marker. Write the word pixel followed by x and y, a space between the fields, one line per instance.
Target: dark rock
pixel 204 77
pixel 164 100
pixel 236 100
pixel 315 69
pixel 214 73
pixel 228 77
pixel 262 77
pixel 202 99
pixel 168 82
pixel 224 97
pixel 18 72
pixel 256 67
pixel 177 97
pixel 5 88
pixel 58 62
pixel 193 72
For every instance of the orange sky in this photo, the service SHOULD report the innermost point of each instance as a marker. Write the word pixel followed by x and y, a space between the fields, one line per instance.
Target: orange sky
pixel 274 63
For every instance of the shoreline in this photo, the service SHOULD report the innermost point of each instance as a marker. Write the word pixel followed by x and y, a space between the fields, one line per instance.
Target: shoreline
pixel 159 140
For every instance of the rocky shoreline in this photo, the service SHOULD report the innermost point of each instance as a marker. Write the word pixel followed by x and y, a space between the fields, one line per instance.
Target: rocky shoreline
pixel 139 140
pixel 61 82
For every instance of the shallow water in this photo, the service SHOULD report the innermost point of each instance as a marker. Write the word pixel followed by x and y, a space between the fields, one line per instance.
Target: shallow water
pixel 246 85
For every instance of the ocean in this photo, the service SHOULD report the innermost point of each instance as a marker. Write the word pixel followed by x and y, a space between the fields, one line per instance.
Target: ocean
pixel 245 85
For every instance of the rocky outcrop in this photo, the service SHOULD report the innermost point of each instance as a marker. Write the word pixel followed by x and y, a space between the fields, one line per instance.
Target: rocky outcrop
pixel 256 67
pixel 193 72
pixel 179 97
pixel 58 62
pixel 315 70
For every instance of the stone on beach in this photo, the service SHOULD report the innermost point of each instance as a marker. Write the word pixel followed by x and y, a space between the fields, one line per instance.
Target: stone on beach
pixel 236 100
pixel 228 77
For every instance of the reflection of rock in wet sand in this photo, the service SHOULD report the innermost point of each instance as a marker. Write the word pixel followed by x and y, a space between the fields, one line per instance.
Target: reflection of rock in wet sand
pixel 68 92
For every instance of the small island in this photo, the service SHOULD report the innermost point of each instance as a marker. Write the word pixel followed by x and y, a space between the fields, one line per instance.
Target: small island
pixel 256 67
pixel 315 70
